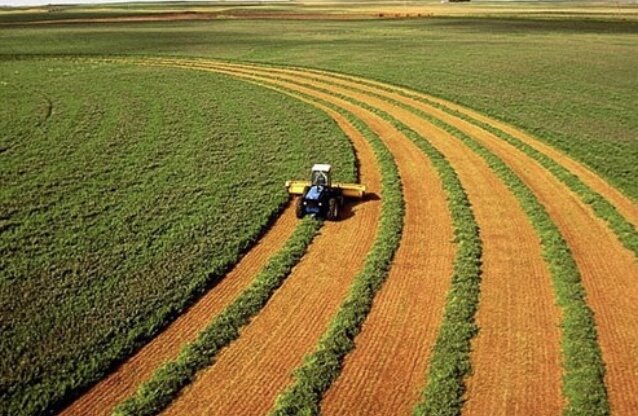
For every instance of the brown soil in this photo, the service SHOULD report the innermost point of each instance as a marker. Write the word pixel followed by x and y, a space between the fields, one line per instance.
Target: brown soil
pixel 249 374
pixel 515 278
pixel 623 204
pixel 516 357
pixel 103 397
pixel 513 259
pixel 609 272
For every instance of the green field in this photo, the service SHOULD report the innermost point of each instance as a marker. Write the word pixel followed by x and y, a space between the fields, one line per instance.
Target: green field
pixel 127 191
pixel 571 82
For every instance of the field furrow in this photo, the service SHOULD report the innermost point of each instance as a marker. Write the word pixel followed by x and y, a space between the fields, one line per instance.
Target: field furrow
pixel 516 356
pixel 513 264
pixel 249 374
pixel 627 208
pixel 609 273
pixel 104 396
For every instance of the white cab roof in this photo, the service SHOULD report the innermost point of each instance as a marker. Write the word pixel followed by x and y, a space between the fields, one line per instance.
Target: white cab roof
pixel 321 167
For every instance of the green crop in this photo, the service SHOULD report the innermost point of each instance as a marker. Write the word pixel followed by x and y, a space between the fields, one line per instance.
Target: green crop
pixel 569 80
pixel 127 192
pixel 323 365
pixel 166 382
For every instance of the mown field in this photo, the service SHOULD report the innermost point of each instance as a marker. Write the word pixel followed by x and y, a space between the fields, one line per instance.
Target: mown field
pixel 125 193
pixel 131 184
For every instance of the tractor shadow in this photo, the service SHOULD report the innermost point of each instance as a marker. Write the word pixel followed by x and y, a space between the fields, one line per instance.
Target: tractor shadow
pixel 347 210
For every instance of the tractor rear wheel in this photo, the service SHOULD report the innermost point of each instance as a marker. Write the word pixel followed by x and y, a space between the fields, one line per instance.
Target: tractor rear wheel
pixel 300 210
pixel 333 209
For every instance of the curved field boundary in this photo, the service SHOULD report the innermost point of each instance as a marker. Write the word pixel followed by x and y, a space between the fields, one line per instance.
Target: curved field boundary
pixel 292 322
pixel 102 398
pixel 150 393
pixel 168 380
pixel 314 377
pixel 486 191
pixel 591 188
pixel 592 182
pixel 600 264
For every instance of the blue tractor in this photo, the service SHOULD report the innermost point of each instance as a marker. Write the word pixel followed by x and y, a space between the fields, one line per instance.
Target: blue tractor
pixel 319 196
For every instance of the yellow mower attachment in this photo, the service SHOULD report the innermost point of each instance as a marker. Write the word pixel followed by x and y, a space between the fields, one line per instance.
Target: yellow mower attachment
pixel 348 190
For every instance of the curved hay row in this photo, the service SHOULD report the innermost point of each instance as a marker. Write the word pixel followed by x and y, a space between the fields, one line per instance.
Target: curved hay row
pixel 102 398
pixel 126 379
pixel 439 107
pixel 485 187
pixel 517 315
pixel 291 324
pixel 512 259
pixel 582 230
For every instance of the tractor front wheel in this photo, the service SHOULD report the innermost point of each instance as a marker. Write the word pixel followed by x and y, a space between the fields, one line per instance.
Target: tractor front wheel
pixel 333 209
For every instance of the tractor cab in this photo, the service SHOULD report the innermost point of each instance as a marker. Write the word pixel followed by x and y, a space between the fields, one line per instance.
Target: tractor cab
pixel 320 175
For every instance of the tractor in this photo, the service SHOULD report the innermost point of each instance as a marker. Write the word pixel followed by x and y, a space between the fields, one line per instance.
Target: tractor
pixel 321 198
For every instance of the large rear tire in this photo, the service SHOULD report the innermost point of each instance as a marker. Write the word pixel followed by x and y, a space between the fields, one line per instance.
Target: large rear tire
pixel 300 209
pixel 333 209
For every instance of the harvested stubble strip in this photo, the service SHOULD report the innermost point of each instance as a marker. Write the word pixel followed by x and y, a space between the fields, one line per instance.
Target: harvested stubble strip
pixel 583 381
pixel 450 359
pixel 322 366
pixel 104 396
pixel 461 365
pixel 166 382
pixel 584 370
pixel 301 289
pixel 624 228
pixel 593 187
pixel 608 280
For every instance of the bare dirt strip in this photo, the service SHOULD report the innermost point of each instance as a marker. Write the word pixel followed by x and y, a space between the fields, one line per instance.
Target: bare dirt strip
pixel 249 374
pixel 102 398
pixel 608 269
pixel 515 279
pixel 625 206
pixel 609 273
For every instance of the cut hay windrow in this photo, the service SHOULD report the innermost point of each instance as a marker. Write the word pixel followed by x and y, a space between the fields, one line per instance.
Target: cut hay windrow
pixel 156 393
pixel 583 382
pixel 322 366
pixel 450 360
pixel 593 398
pixel 485 166
pixel 622 227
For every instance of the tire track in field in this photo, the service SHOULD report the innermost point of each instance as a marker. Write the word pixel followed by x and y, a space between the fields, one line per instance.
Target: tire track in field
pixel 609 273
pixel 626 207
pixel 104 396
pixel 249 374
pixel 513 270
